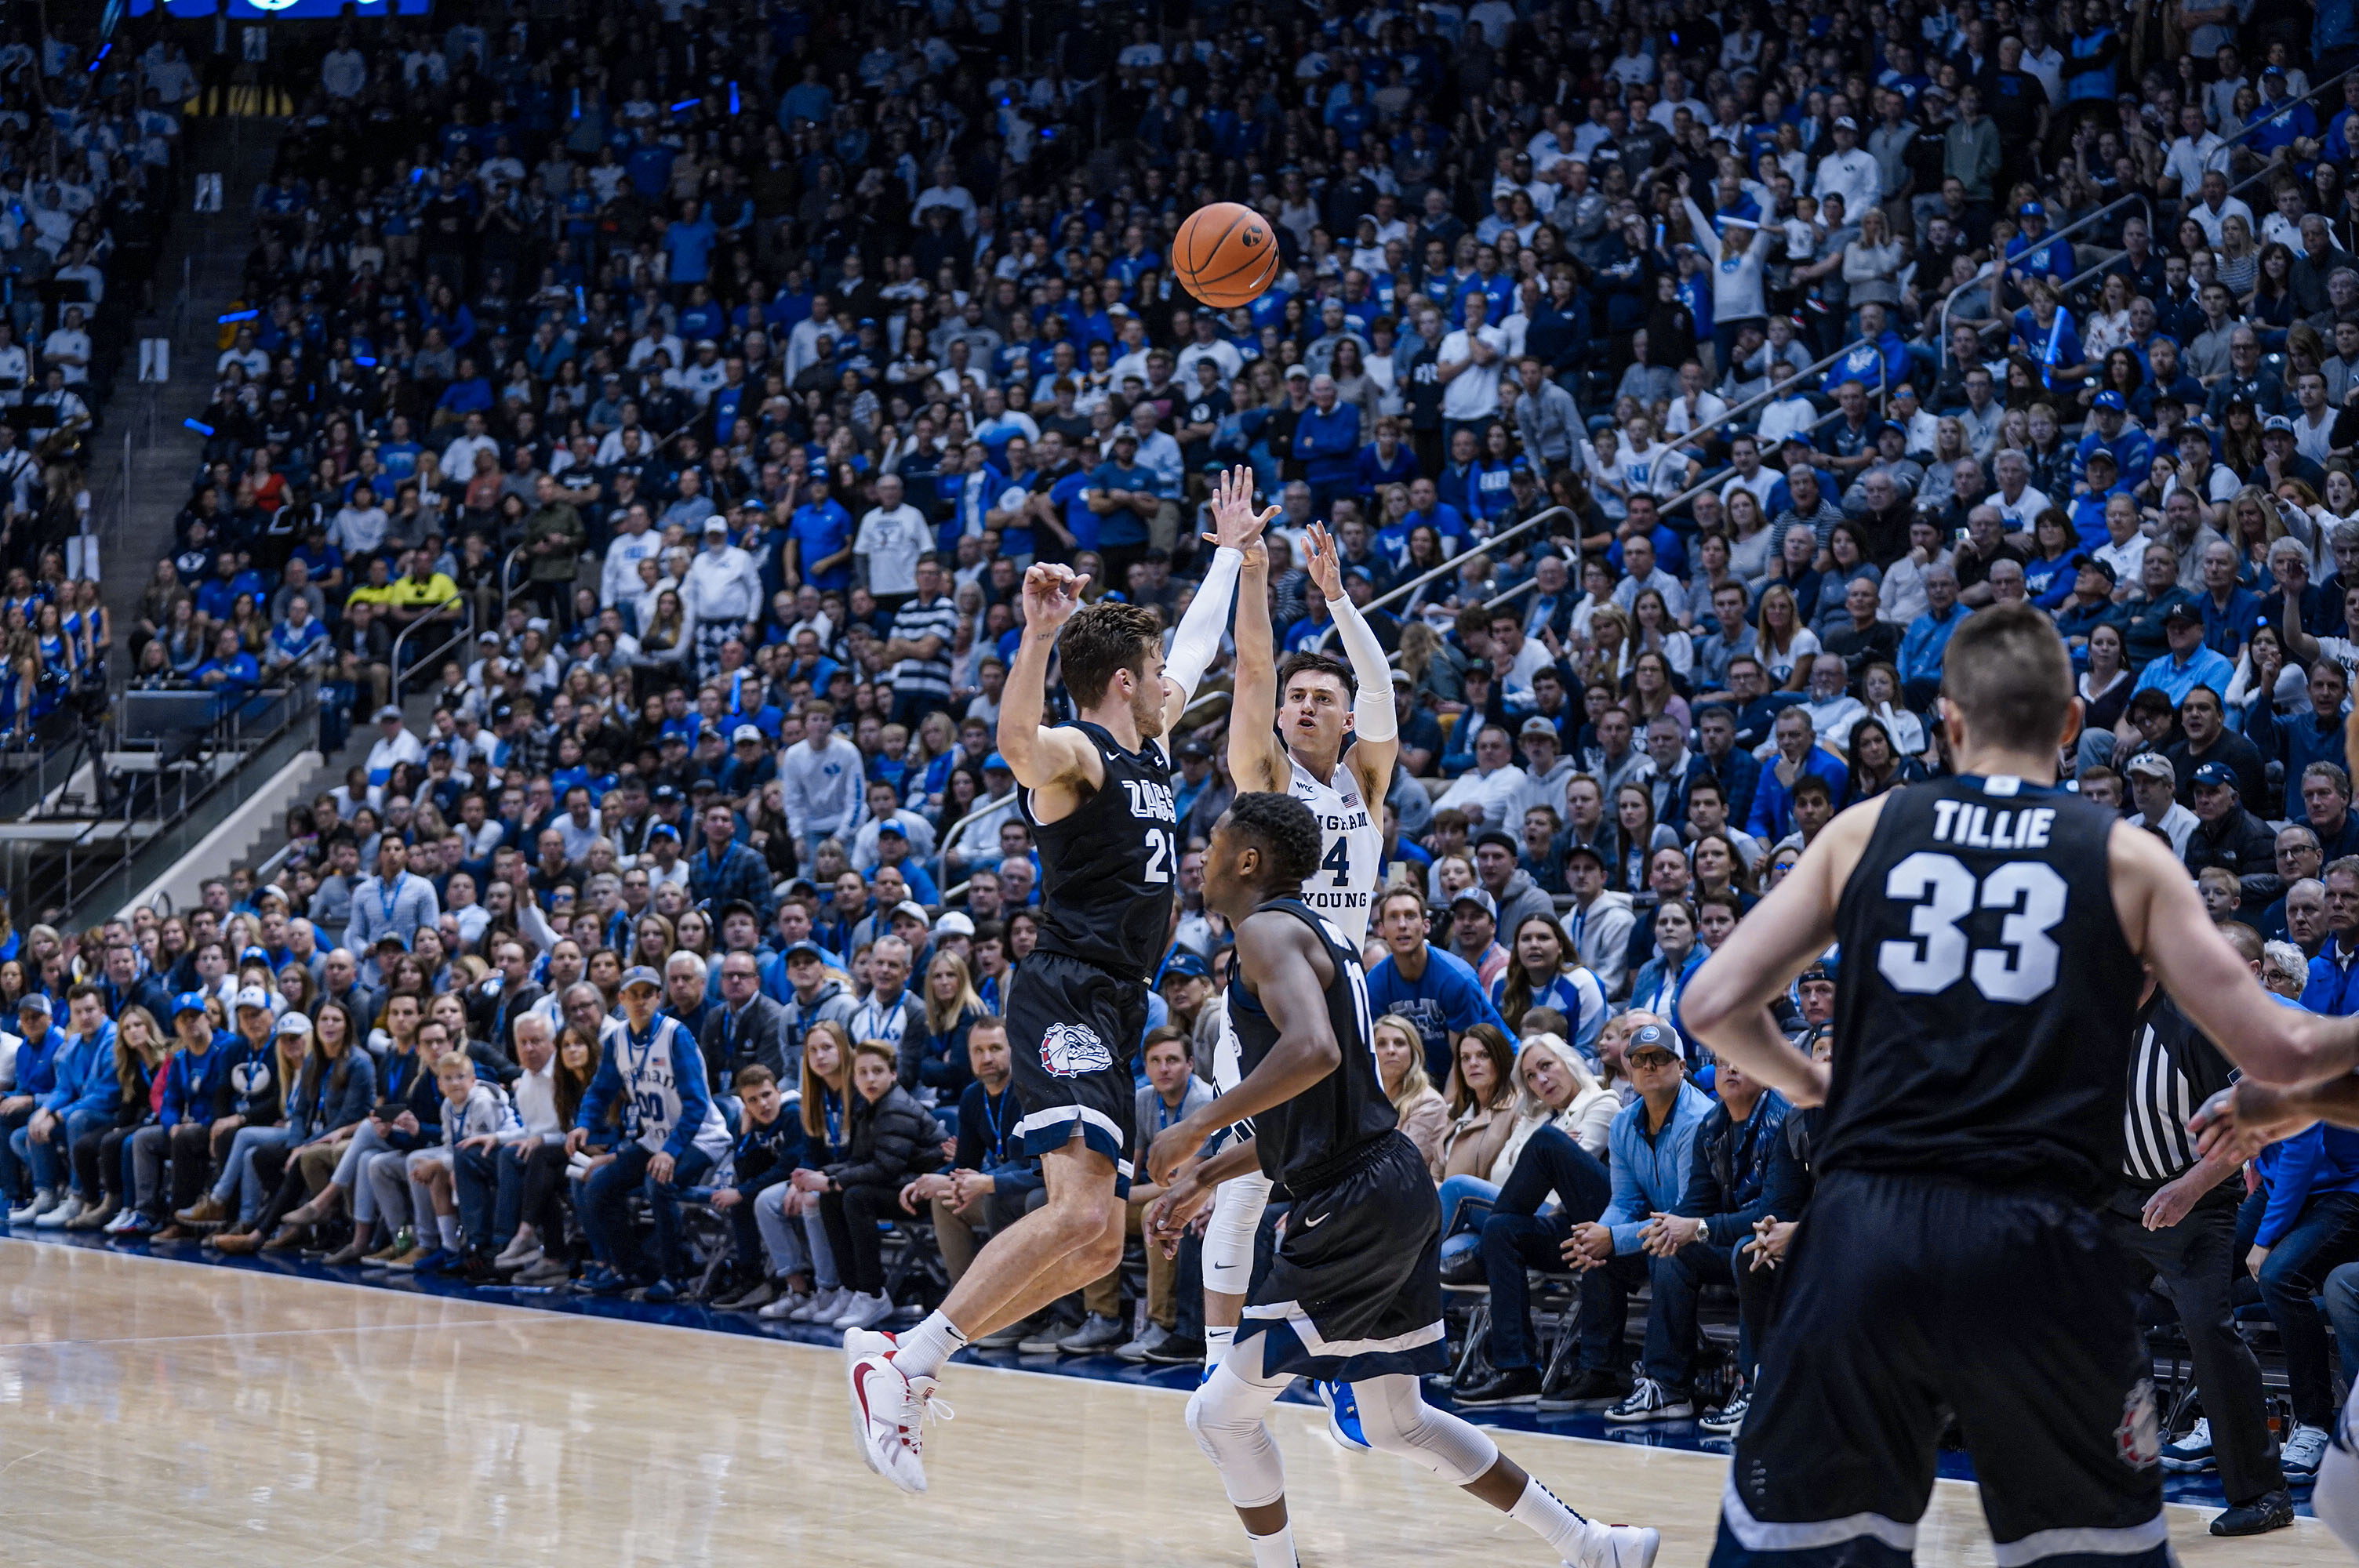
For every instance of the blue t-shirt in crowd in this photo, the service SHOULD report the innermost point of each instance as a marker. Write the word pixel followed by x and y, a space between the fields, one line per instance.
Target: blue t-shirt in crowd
pixel 820 530
pixel 1447 997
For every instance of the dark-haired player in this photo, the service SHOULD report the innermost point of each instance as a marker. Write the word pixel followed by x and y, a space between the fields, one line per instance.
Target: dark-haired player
pixel 1098 794
pixel 1993 929
pixel 1354 1294
pixel 1287 730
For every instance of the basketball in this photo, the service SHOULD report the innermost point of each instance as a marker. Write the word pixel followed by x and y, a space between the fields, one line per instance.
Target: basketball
pixel 1225 255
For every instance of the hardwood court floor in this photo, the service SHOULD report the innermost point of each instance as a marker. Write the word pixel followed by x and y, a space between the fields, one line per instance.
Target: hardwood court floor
pixel 153 1412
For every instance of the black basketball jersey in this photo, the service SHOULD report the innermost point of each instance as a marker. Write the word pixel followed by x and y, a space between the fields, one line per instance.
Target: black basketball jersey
pixel 1304 1142
pixel 1107 870
pixel 1984 992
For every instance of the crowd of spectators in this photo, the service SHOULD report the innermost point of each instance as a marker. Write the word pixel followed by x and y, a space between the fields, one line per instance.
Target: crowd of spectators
pixel 1674 382
pixel 90 162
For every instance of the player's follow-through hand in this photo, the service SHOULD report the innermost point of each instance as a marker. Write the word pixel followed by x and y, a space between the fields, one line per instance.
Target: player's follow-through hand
pixel 1051 594
pixel 1235 525
pixel 1325 566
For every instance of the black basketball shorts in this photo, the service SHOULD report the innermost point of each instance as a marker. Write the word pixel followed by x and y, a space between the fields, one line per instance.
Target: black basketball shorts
pixel 1910 1298
pixel 1072 1031
pixel 1355 1289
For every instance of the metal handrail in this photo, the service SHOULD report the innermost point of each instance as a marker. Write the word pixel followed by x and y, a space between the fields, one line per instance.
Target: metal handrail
pixel 2316 88
pixel 402 672
pixel 986 807
pixel 508 578
pixel 1942 321
pixel 1696 489
pixel 1401 590
pixel 1711 479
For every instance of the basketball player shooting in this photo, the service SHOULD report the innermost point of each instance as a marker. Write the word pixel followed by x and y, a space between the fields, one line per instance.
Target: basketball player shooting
pixel 1287 733
pixel 1354 1294
pixel 1995 931
pixel 1098 794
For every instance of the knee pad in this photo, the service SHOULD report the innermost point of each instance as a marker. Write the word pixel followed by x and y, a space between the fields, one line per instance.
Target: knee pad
pixel 1394 1419
pixel 1224 1416
pixel 1229 1236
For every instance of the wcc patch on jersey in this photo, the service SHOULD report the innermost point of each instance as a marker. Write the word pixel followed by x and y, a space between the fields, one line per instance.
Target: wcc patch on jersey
pixel 1069 1050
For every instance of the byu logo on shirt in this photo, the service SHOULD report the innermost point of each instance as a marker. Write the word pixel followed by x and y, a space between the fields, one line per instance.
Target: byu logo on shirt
pixel 1069 1050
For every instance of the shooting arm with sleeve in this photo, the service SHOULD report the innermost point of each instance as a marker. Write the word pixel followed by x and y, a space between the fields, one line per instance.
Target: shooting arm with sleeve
pixel 1196 643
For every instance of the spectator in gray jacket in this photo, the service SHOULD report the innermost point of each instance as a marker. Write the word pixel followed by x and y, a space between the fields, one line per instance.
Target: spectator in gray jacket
pixel 1547 418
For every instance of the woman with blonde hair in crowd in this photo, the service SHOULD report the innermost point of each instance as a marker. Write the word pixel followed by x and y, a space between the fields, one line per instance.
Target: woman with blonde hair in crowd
pixel 952 1008
pixel 1423 1114
pixel 100 1168
pixel 1784 645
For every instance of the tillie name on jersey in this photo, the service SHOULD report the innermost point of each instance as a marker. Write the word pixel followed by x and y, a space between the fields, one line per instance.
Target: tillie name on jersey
pixel 1976 826
pixel 1152 801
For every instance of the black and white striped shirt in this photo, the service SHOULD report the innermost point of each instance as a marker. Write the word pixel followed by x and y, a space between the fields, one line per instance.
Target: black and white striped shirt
pixel 913 622
pixel 2156 1146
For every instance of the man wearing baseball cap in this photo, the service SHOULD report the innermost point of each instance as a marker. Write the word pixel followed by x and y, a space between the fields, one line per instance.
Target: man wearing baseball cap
pixel 256 1105
pixel 2228 837
pixel 2188 663
pixel 1652 1144
pixel 394 745
pixel 2110 431
pixel 654 1067
pixel 1473 934
pixel 2154 790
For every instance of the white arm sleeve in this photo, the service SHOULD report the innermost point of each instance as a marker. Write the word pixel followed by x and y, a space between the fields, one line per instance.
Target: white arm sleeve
pixel 1373 718
pixel 1196 643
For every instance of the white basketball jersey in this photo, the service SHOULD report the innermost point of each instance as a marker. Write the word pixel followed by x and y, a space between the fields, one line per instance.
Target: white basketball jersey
pixel 1352 848
pixel 652 1088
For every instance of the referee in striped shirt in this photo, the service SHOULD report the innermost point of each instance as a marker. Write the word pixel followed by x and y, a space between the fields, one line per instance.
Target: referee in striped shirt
pixel 2174 1214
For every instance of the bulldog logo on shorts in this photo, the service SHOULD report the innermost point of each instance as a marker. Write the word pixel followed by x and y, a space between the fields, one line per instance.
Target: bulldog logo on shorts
pixel 1069 1050
pixel 2139 1438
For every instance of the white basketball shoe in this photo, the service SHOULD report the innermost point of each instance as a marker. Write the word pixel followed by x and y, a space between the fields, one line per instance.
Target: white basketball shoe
pixel 889 1411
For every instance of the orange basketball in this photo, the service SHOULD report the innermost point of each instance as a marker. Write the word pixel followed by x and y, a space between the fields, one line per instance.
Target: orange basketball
pixel 1224 254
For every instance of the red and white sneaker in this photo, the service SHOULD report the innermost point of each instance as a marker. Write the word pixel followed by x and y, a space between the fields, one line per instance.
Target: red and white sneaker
pixel 888 1409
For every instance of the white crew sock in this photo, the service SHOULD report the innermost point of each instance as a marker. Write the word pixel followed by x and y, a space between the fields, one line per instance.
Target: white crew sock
pixel 1216 1345
pixel 921 1352
pixel 446 1226
pixel 1540 1511
pixel 1273 1550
